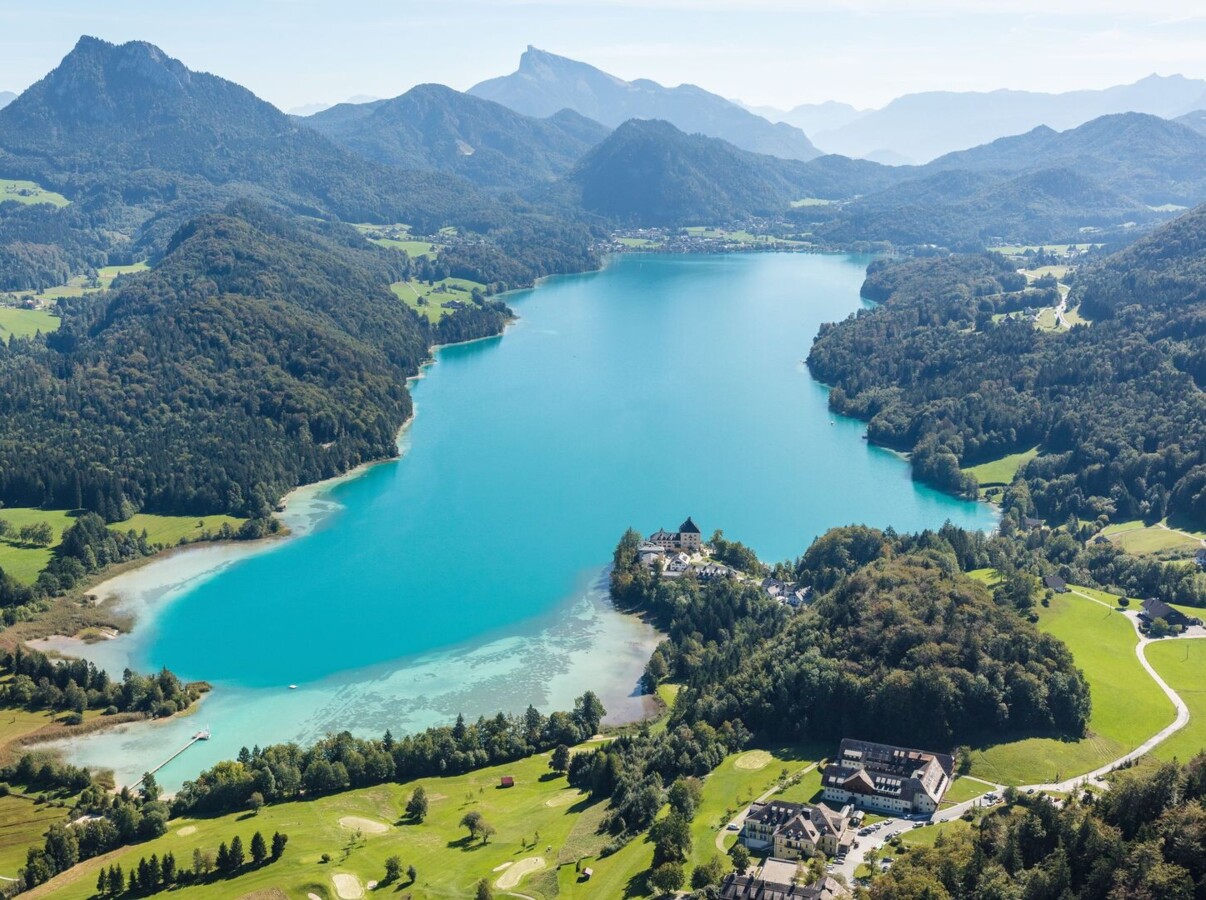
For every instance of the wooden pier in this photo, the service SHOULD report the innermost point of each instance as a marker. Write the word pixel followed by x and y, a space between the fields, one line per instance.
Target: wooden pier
pixel 199 736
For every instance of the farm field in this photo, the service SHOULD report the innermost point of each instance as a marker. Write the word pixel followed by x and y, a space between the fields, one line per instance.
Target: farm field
pixel 80 285
pixel 24 562
pixel 1139 539
pixel 1001 471
pixel 1128 706
pixel 26 322
pixel 431 300
pixel 399 237
pixel 29 192
pixel 1182 664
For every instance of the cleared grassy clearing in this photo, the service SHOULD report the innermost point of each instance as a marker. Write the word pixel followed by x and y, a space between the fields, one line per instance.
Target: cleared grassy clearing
pixel 638 243
pixel 29 192
pixel 928 835
pixel 171 530
pixel 1020 249
pixel 1140 539
pixel 964 789
pixel 432 300
pixel 26 322
pixel 24 562
pixel 1128 706
pixel 1001 471
pixel 398 237
pixel 1182 664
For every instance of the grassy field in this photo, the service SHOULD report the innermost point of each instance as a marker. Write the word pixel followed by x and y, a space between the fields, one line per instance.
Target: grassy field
pixel 964 789
pixel 24 562
pixel 23 823
pixel 431 300
pixel 26 322
pixel 1183 665
pixel 536 818
pixel 927 835
pixel 1128 707
pixel 1020 250
pixel 399 237
pixel 638 243
pixel 1001 471
pixel 171 530
pixel 29 192
pixel 1140 539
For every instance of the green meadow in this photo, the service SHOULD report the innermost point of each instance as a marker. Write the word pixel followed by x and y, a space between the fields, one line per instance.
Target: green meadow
pixel 1182 664
pixel 1140 539
pixel 1128 706
pixel 29 192
pixel 431 300
pixel 26 322
pixel 24 562
pixel 1001 471
pixel 398 237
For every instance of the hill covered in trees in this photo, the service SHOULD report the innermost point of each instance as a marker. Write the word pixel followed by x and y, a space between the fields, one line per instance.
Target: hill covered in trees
pixel 259 355
pixel 1116 408
pixel 141 144
pixel 432 127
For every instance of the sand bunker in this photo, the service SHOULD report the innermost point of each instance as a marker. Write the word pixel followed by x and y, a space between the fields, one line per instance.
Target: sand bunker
pixel 368 826
pixel 754 759
pixel 348 887
pixel 187 830
pixel 512 876
pixel 564 798
pixel 313 896
pixel 505 865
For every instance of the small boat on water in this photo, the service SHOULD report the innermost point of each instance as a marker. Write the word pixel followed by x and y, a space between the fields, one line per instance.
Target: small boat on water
pixel 202 735
pixel 293 687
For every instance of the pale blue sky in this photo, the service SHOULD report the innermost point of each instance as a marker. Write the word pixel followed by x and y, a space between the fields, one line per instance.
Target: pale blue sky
pixel 777 52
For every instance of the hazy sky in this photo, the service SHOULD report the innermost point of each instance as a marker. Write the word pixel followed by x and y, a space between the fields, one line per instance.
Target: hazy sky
pixel 776 52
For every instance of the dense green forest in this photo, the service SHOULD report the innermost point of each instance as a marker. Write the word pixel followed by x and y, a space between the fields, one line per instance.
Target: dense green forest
pixel 1116 407
pixel 903 649
pixel 259 355
pixel 1143 840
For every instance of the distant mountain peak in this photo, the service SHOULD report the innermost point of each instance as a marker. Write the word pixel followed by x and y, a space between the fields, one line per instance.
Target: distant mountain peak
pixel 545 83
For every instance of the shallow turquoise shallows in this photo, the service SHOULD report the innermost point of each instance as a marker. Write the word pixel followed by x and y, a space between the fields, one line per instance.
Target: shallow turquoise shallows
pixel 660 387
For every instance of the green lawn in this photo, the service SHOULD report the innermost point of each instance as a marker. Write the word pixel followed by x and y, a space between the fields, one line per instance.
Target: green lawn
pixel 1140 539
pixel 24 562
pixel 965 789
pixel 637 243
pixel 535 815
pixel 1128 706
pixel 1001 471
pixel 171 530
pixel 431 300
pixel 79 285
pixel 29 192
pixel 26 322
pixel 1183 665
pixel 23 823
pixel 928 834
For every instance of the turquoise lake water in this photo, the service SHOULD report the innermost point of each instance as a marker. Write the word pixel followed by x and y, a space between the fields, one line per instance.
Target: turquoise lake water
pixel 466 576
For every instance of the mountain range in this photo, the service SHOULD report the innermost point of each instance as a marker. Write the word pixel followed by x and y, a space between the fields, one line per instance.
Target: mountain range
pixel 6 97
pixel 545 84
pixel 920 127
pixel 432 127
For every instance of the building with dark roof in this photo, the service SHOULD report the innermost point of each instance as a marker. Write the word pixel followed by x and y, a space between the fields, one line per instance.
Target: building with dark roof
pixel 1155 608
pixel 686 538
pixel 796 830
pixel 1055 583
pixel 773 885
pixel 886 779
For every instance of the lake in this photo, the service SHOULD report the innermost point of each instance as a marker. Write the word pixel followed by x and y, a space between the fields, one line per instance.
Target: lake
pixel 469 575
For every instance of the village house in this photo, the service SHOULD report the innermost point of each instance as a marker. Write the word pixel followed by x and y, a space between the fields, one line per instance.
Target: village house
pixel 686 538
pixel 886 779
pixel 1055 583
pixel 776 880
pixel 1200 558
pixel 1155 608
pixel 786 591
pixel 796 830
pixel 713 570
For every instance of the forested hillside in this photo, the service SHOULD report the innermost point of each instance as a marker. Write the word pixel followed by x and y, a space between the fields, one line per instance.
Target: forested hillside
pixel 141 144
pixel 259 355
pixel 432 127
pixel 905 650
pixel 1116 408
